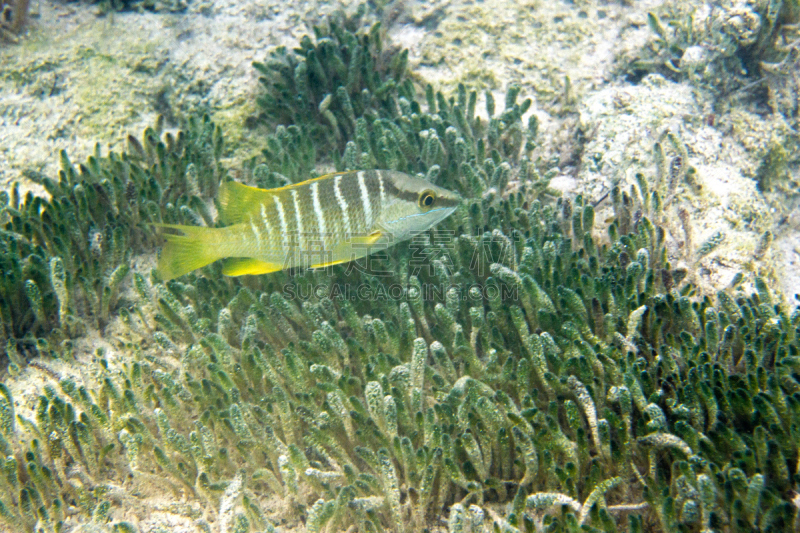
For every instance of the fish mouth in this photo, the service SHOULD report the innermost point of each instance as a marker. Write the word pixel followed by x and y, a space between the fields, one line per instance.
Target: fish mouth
pixel 441 213
pixel 434 217
pixel 446 211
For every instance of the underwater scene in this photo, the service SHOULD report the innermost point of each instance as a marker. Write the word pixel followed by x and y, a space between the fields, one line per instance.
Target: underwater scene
pixel 399 266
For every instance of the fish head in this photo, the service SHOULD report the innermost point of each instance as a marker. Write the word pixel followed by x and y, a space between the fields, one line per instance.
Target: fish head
pixel 413 205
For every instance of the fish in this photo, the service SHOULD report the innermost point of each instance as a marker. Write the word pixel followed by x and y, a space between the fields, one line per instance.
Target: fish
pixel 332 219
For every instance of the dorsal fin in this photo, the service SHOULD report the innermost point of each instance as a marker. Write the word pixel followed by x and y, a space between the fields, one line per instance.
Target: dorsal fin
pixel 236 201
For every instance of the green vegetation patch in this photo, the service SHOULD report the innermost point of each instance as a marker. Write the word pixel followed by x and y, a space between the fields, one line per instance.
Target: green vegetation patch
pixel 64 258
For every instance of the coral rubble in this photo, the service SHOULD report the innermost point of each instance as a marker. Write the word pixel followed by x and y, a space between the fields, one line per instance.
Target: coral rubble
pixel 13 15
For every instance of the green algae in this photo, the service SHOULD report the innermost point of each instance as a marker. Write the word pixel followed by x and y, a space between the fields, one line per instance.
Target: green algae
pixel 773 168
pixel 71 252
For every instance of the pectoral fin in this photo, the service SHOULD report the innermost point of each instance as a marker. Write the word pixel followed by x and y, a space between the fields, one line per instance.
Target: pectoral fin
pixel 331 263
pixel 367 240
pixel 242 266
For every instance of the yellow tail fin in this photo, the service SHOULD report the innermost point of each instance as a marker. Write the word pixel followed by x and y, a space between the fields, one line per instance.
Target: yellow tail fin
pixel 183 253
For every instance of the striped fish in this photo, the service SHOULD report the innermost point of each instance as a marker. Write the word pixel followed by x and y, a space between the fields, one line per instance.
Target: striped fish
pixel 323 221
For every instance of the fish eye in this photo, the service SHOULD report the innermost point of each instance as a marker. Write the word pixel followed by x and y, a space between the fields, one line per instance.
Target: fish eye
pixel 427 199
